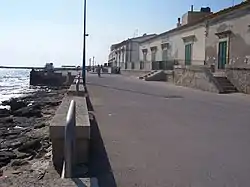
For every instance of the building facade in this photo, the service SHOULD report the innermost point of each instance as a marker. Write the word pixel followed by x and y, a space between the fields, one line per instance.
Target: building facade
pixel 184 44
pixel 217 39
pixel 228 37
pixel 126 53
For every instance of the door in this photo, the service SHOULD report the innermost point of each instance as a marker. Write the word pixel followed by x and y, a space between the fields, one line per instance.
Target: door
pixel 188 54
pixel 222 55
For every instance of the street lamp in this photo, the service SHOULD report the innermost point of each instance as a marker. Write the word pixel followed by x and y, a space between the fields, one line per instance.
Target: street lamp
pixel 84 44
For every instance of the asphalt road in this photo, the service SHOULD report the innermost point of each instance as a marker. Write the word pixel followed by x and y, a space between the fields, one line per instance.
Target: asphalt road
pixel 158 135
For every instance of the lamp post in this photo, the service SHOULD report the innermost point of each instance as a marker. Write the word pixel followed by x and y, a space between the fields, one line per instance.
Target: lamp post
pixel 84 44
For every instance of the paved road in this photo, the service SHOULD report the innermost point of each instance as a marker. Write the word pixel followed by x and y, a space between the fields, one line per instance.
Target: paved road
pixel 159 135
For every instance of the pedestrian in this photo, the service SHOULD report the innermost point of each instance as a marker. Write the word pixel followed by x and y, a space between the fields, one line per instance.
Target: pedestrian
pixel 99 71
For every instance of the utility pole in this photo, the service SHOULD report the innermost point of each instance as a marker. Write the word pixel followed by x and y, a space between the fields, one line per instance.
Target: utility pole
pixel 84 44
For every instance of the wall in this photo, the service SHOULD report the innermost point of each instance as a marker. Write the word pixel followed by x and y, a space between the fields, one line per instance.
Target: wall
pixel 195 77
pixel 177 45
pixel 239 77
pixel 239 40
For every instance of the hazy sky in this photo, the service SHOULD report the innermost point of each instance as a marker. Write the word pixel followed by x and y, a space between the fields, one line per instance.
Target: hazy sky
pixel 33 32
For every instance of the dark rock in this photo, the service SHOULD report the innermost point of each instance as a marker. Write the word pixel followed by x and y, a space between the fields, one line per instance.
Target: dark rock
pixel 11 132
pixel 16 104
pixel 19 163
pixel 53 103
pixel 30 145
pixel 5 157
pixel 4 112
pixel 5 103
pixel 23 155
pixel 41 125
pixel 6 120
pixel 29 111
pixel 1 171
pixel 10 144
pixel 15 144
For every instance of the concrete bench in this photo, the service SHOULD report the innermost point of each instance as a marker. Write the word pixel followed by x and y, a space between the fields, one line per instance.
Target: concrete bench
pixel 57 130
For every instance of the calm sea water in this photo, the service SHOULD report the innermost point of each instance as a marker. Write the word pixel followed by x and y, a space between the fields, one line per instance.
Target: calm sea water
pixel 14 83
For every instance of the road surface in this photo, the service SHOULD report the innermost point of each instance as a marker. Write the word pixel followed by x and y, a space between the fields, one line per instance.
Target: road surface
pixel 155 134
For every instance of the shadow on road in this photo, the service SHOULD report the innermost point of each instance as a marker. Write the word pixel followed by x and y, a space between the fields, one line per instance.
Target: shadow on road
pixel 99 165
pixel 138 92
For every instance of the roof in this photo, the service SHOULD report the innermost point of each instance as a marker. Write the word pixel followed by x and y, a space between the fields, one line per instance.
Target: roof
pixel 216 14
pixel 136 39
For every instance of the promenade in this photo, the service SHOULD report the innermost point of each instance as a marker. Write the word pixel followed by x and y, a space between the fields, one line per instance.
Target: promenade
pixel 154 134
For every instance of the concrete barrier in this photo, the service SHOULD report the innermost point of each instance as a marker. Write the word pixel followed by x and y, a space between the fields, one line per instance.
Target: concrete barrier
pixel 57 129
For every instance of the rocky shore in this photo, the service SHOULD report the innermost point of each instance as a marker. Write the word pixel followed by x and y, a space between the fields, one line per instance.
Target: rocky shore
pixel 24 133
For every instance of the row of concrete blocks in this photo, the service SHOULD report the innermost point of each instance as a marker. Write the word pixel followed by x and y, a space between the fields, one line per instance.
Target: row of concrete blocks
pixel 57 128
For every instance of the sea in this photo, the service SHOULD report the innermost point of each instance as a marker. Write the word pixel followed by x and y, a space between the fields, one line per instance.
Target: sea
pixel 14 83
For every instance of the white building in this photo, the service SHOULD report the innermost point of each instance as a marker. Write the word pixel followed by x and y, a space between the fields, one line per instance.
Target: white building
pixel 126 53
pixel 184 44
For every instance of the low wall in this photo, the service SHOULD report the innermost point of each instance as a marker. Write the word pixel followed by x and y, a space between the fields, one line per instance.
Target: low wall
pixel 198 77
pixel 239 76
pixel 136 73
pixel 57 129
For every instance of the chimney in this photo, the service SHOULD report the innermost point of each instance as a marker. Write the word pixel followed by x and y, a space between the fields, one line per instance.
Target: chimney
pixel 179 22
pixel 192 8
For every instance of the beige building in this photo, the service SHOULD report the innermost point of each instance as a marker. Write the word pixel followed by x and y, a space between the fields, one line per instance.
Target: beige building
pixel 184 44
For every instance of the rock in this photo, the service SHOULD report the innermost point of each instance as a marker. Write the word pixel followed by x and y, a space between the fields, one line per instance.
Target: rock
pixel 30 111
pixel 19 163
pixel 17 172
pixel 10 144
pixel 5 157
pixel 1 172
pixel 48 155
pixel 6 120
pixel 16 104
pixel 30 145
pixel 11 132
pixel 23 155
pixel 4 112
pixel 15 144
pixel 40 125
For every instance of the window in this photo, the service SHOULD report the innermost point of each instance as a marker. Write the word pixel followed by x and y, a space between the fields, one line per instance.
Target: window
pixel 144 52
pixel 141 64
pixel 132 65
pixel 153 54
pixel 126 65
pixel 165 47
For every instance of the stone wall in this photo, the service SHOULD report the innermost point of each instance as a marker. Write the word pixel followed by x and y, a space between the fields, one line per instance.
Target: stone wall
pixel 239 77
pixel 195 77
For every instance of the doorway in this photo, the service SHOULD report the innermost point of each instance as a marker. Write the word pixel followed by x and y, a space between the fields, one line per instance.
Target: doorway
pixel 222 55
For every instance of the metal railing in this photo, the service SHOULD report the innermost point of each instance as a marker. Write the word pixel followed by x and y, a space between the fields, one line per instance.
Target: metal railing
pixel 69 141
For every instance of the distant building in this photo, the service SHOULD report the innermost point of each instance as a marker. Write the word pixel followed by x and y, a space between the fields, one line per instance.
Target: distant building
pixel 126 53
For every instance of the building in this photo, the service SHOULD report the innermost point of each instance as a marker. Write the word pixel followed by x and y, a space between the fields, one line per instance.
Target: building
pixel 184 44
pixel 201 38
pixel 228 37
pixel 126 53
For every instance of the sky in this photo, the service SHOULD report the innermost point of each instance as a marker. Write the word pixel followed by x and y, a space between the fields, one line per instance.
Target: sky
pixel 33 32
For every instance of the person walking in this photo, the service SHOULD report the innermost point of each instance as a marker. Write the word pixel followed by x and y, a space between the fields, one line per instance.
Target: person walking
pixel 99 71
